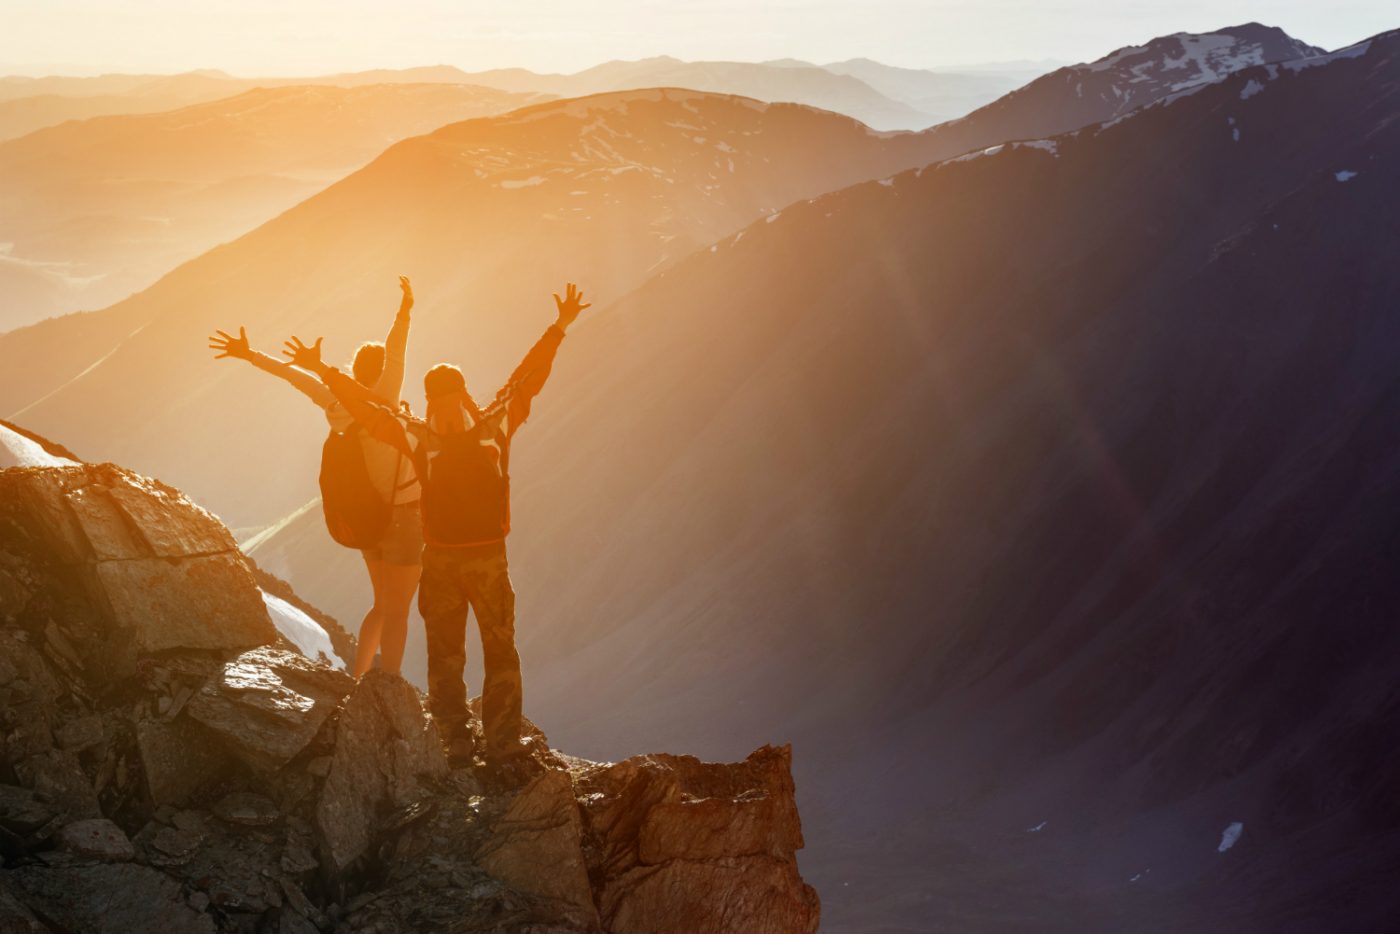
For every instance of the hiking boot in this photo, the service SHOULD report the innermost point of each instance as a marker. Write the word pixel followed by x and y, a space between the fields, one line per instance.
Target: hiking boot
pixel 518 766
pixel 461 749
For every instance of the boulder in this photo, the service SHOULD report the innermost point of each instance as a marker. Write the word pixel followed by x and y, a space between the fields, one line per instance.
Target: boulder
pixel 387 754
pixel 679 844
pixel 267 704
pixel 178 758
pixel 14 917
pixel 535 845
pixel 22 811
pixel 97 838
pixel 246 809
pixel 155 571
pixel 201 602
pixel 59 777
pixel 107 898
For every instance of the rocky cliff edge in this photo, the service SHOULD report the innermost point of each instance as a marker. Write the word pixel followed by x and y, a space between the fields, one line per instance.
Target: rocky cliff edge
pixel 170 762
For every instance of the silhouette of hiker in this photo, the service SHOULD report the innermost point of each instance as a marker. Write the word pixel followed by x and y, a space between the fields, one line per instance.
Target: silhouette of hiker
pixel 463 455
pixel 393 551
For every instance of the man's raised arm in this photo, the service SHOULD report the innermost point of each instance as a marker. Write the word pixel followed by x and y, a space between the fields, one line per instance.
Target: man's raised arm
pixel 530 376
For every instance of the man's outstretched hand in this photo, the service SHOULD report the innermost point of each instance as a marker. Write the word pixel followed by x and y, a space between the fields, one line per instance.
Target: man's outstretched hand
pixel 569 306
pixel 306 357
pixel 407 288
pixel 230 346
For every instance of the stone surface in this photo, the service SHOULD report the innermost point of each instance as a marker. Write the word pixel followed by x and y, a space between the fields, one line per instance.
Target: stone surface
pixel 108 898
pixel 59 776
pixel 99 839
pixel 155 570
pixel 21 811
pixel 700 846
pixel 80 734
pixel 535 846
pixel 268 704
pixel 247 809
pixel 385 750
pixel 178 759
pixel 203 602
pixel 14 917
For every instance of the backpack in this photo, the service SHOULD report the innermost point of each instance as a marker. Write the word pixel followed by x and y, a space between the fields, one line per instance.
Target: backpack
pixel 356 515
pixel 466 491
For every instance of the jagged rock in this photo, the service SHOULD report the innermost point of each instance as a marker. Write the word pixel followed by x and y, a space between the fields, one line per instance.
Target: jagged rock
pixel 679 844
pixel 268 704
pixel 30 692
pixel 80 734
pixel 21 811
pixel 98 838
pixel 159 572
pixel 14 917
pixel 168 846
pixel 59 776
pixel 178 759
pixel 247 809
pixel 234 866
pixel 203 602
pixel 385 750
pixel 108 898
pixel 535 846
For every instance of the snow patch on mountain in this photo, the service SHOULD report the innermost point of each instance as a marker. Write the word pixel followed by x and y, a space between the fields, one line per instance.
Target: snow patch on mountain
pixel 1230 836
pixel 1351 51
pixel 301 630
pixel 18 451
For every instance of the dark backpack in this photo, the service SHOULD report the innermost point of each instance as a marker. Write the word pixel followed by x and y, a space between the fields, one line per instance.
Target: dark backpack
pixel 466 493
pixel 356 515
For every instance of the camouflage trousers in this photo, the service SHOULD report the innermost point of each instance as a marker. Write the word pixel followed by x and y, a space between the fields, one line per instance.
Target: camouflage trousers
pixel 455 580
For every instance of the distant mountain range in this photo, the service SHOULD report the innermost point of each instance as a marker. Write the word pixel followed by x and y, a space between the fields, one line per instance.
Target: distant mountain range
pixel 488 216
pixel 880 96
pixel 98 209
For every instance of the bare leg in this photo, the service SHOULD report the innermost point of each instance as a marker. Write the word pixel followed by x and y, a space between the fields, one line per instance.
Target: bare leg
pixel 398 583
pixel 372 627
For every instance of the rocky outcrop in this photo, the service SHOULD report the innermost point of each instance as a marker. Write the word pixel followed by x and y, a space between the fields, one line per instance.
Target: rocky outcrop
pixel 679 844
pixel 168 763
pixel 129 568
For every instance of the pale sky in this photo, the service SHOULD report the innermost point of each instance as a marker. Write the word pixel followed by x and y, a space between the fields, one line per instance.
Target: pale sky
pixel 302 37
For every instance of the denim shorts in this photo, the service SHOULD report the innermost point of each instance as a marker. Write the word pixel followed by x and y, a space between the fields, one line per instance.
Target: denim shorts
pixel 402 543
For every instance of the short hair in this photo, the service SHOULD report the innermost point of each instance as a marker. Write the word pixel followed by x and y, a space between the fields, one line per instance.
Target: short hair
pixel 369 363
pixel 442 380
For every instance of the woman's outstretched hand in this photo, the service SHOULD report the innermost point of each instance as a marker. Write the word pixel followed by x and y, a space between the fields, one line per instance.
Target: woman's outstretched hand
pixel 306 357
pixel 230 346
pixel 407 288
pixel 569 306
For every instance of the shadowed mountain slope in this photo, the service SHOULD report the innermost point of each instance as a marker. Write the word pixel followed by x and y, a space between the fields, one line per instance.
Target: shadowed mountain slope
pixel 1050 486
pixel 1053 487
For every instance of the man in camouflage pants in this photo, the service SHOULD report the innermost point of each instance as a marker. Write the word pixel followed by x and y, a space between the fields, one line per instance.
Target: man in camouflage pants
pixel 475 578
